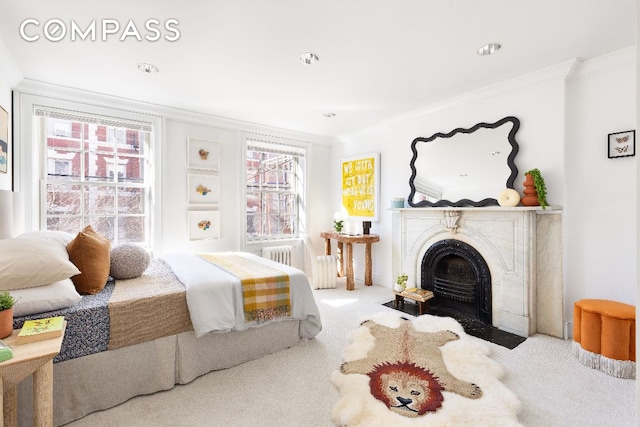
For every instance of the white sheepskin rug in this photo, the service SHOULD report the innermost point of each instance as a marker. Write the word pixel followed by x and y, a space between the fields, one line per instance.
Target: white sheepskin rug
pixel 471 393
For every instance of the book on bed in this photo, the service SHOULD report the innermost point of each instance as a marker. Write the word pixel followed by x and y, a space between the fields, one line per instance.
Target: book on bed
pixel 40 329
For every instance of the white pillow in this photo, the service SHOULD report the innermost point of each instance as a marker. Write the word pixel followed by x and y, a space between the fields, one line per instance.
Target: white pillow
pixel 31 261
pixel 39 299
pixel 61 237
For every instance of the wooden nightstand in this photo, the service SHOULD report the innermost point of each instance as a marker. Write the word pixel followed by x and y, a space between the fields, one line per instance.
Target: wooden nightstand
pixel 34 358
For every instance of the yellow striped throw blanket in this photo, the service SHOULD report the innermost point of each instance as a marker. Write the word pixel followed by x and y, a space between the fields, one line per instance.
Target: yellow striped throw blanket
pixel 265 290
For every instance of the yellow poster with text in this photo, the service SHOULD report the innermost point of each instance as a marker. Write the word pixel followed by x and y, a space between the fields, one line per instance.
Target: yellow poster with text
pixel 359 186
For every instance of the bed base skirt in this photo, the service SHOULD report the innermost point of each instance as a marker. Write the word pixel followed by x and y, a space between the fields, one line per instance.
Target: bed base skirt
pixel 104 380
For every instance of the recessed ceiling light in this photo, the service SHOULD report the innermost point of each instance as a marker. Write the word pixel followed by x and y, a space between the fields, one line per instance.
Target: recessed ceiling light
pixel 489 49
pixel 308 58
pixel 148 68
pixel 329 114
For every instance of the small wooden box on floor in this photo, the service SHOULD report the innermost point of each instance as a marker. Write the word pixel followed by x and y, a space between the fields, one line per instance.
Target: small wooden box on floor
pixel 604 336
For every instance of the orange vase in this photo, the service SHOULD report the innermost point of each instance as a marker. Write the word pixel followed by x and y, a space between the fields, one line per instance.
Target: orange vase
pixel 6 322
pixel 530 195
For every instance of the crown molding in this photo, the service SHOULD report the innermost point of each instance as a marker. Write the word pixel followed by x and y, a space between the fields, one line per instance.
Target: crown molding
pixel 622 57
pixel 40 88
pixel 559 71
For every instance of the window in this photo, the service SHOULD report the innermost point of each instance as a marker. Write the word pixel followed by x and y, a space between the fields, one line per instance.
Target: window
pixel 275 190
pixel 96 173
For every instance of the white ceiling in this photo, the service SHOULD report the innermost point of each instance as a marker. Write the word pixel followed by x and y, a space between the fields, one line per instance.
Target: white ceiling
pixel 378 58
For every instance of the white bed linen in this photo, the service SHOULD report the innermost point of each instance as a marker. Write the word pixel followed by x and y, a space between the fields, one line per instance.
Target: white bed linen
pixel 214 297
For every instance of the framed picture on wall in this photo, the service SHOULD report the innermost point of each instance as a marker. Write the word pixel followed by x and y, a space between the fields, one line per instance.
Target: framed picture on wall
pixel 4 140
pixel 203 225
pixel 361 186
pixel 203 189
pixel 203 154
pixel 622 144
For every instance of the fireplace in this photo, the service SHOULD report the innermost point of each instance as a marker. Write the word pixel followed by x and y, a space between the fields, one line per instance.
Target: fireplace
pixel 500 265
pixel 459 278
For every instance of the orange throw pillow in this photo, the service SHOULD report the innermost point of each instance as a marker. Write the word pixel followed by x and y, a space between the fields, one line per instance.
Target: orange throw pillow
pixel 89 251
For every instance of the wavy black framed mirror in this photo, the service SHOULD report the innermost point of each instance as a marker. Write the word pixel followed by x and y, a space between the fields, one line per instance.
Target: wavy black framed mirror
pixel 464 167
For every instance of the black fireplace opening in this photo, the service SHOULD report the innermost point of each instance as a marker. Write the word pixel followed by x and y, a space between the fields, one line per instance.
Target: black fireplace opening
pixel 459 278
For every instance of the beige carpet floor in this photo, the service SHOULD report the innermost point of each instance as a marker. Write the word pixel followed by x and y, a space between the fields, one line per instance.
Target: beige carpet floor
pixel 293 387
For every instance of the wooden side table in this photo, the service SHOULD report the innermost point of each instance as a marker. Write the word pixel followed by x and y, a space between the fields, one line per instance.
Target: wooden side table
pixel 34 358
pixel 367 239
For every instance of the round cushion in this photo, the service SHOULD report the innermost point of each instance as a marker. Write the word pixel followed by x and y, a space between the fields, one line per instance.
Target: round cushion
pixel 509 198
pixel 128 261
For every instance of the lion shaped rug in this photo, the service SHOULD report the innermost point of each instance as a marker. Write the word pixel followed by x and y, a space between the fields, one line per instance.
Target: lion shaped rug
pixel 421 372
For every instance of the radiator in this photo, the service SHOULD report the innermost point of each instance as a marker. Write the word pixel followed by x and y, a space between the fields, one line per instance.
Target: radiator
pixel 325 272
pixel 281 254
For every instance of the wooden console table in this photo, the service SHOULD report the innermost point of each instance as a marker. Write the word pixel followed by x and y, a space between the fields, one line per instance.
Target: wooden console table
pixel 34 358
pixel 367 239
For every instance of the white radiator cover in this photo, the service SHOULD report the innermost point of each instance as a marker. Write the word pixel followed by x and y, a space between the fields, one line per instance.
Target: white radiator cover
pixel 281 254
pixel 325 272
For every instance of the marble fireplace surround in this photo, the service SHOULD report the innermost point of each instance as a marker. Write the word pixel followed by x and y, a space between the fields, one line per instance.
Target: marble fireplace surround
pixel 522 247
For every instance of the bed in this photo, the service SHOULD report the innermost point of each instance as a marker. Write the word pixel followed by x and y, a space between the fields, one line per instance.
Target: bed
pixel 114 334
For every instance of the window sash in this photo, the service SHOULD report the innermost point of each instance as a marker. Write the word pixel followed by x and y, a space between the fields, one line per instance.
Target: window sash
pixel 275 192
pixel 115 204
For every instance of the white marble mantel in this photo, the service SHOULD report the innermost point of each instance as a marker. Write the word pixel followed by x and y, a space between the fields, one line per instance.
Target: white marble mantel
pixel 522 247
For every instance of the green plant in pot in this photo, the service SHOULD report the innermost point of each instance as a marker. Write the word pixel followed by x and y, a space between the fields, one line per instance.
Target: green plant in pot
pixel 6 313
pixel 401 282
pixel 540 193
pixel 338 224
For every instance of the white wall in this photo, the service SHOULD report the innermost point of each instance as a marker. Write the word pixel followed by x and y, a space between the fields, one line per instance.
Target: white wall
pixel 174 230
pixel 563 133
pixel 601 203
pixel 232 174
pixel 540 140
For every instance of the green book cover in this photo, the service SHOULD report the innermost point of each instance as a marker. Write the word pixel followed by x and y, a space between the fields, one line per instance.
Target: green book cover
pixel 5 351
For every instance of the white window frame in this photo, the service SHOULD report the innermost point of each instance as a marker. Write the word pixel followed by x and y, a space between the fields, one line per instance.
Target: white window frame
pixel 115 131
pixel 29 166
pixel 283 146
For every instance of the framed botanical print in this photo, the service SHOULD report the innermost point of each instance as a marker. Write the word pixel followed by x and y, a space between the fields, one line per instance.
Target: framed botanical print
pixel 203 154
pixel 203 189
pixel 204 225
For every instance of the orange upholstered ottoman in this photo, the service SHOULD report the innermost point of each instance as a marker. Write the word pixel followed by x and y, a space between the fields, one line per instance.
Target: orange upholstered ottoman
pixel 604 336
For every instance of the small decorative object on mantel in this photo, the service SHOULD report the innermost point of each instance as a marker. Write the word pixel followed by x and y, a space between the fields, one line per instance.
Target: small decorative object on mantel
pixel 508 198
pixel 337 225
pixel 535 191
pixel 622 144
pixel 397 203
